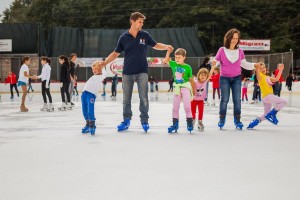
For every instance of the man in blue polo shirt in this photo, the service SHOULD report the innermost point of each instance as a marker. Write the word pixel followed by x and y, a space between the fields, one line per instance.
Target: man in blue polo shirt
pixel 134 43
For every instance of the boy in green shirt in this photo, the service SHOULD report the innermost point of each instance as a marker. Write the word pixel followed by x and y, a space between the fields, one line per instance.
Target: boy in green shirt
pixel 183 88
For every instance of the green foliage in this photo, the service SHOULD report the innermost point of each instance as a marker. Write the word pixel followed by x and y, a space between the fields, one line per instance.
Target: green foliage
pixel 278 20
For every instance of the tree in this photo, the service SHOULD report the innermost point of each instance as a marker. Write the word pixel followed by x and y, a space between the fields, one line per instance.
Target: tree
pixel 277 20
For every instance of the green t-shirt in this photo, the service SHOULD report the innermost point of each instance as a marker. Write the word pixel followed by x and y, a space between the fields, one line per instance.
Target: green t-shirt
pixel 181 73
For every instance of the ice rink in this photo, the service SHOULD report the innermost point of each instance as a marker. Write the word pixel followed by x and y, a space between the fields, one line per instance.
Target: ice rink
pixel 44 156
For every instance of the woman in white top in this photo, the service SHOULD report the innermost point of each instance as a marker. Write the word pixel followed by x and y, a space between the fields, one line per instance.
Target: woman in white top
pixel 23 80
pixel 45 76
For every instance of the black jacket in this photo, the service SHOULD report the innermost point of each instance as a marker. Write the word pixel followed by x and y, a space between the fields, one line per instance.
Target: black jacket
pixel 64 73
pixel 72 69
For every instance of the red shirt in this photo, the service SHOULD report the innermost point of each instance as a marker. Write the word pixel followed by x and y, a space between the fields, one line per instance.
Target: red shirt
pixel 11 79
pixel 215 80
pixel 276 72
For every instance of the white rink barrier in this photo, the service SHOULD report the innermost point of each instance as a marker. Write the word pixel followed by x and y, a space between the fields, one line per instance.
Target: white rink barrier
pixel 162 87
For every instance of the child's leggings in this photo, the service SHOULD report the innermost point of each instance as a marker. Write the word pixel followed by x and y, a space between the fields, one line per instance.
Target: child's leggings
pixel 200 104
pixel 244 93
pixel 185 95
pixel 214 92
pixel 269 100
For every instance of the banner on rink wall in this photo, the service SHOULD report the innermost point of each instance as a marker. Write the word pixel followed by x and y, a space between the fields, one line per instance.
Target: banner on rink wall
pixel 156 62
pixel 112 68
pixel 116 66
pixel 255 45
pixel 6 45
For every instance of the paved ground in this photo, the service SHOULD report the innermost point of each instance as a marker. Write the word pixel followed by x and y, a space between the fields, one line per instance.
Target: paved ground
pixel 44 156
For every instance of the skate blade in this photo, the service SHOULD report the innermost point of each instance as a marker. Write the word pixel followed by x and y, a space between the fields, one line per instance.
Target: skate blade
pixel 172 132
pixel 120 130
pixel 273 122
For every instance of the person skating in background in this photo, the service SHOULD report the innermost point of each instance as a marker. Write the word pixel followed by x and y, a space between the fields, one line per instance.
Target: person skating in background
pixel 30 86
pixel 88 97
pixel 171 81
pixel 73 59
pixel 12 80
pixel 184 88
pixel 151 81
pixel 45 77
pixel 65 80
pixel 278 84
pixel 156 84
pixel 289 82
pixel 215 78
pixel 114 83
pixel 75 91
pixel 268 97
pixel 207 66
pixel 201 82
pixel 256 96
pixel 245 84
pixel 23 80
pixel 104 82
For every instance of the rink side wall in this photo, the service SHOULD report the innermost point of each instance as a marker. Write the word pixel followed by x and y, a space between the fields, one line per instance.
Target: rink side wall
pixel 162 87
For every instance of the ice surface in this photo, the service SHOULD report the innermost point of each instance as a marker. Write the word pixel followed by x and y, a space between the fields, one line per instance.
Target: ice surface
pixel 44 155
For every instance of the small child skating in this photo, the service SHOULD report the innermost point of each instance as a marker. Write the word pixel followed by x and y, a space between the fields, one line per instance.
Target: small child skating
pixel 201 81
pixel 268 96
pixel 215 78
pixel 245 84
pixel 88 97
pixel 183 88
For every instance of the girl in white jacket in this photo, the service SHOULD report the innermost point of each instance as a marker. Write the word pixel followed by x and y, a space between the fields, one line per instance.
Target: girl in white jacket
pixel 45 77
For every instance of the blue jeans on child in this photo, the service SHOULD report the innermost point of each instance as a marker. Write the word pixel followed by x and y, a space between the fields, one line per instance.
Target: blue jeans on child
pixel 233 83
pixel 127 86
pixel 88 105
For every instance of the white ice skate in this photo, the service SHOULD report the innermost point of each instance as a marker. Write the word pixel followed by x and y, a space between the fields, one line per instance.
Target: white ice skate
pixel 206 103
pixel 63 107
pixel 50 108
pixel 200 125
pixel 69 106
pixel 213 103
pixel 45 107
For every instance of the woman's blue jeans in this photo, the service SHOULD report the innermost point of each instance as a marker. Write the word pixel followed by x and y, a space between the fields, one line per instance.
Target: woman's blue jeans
pixel 233 83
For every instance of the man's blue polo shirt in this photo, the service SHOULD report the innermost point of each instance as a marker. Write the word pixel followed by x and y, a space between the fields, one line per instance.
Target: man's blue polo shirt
pixel 135 58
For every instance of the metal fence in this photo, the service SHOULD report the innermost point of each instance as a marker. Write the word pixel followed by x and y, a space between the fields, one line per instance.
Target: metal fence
pixel 13 63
